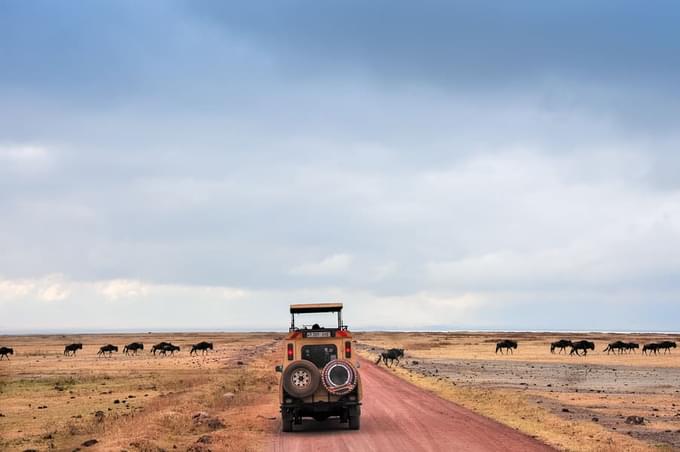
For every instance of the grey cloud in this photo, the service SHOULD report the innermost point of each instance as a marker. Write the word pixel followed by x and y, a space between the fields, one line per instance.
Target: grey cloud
pixel 447 153
pixel 464 40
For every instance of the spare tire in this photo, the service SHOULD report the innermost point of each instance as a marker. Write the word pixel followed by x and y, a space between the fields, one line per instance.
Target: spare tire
pixel 339 377
pixel 301 378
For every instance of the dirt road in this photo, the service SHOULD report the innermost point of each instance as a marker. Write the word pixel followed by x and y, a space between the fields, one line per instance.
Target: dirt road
pixel 398 416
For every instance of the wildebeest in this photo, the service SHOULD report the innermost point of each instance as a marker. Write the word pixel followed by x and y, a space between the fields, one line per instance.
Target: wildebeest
pixel 391 354
pixel 108 348
pixel 506 344
pixel 158 347
pixel 562 344
pixel 631 346
pixel 202 346
pixel 582 345
pixel 653 347
pixel 133 347
pixel 615 346
pixel 666 346
pixel 71 349
pixel 169 348
pixel 4 351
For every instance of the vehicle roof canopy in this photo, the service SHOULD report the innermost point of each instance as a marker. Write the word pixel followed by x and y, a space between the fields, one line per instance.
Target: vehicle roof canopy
pixel 315 307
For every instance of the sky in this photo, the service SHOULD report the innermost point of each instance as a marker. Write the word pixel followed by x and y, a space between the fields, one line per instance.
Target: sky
pixel 432 165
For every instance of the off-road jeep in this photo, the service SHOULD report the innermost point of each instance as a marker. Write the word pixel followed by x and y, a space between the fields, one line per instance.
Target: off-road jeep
pixel 318 377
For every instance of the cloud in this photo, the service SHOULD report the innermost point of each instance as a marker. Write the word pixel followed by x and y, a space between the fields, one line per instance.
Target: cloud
pixel 47 288
pixel 122 288
pixel 23 153
pixel 10 289
pixel 336 264
pixel 25 157
pixel 420 162
pixel 211 307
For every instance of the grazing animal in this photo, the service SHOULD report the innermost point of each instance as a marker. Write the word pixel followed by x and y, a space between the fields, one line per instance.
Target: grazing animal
pixel 630 346
pixel 133 347
pixel 582 345
pixel 506 344
pixel 4 351
pixel 562 344
pixel 666 346
pixel 202 346
pixel 653 347
pixel 71 349
pixel 391 354
pixel 615 346
pixel 158 347
pixel 169 348
pixel 107 349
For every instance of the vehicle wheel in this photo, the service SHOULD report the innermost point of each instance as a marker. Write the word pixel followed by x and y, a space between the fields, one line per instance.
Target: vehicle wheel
pixel 354 417
pixel 301 378
pixel 286 423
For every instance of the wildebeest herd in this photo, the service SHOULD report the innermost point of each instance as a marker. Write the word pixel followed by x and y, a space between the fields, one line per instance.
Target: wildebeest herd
pixel 163 348
pixel 578 347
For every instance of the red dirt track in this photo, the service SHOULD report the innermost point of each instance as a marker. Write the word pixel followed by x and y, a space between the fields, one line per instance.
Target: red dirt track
pixel 398 416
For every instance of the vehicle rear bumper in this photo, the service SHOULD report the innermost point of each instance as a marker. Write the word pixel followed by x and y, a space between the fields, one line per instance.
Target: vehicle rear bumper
pixel 320 406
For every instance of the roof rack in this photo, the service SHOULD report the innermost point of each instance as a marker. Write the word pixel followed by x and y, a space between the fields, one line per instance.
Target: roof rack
pixel 315 308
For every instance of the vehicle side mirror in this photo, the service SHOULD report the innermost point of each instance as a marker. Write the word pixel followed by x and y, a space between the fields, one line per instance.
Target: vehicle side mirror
pixel 279 368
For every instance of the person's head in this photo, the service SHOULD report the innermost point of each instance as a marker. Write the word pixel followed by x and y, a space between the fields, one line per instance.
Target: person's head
pixel 315 326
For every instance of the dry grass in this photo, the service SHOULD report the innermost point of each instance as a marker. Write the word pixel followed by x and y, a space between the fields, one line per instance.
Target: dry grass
pixel 156 397
pixel 532 406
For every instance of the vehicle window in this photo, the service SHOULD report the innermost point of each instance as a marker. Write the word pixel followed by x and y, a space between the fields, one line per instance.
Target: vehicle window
pixel 320 355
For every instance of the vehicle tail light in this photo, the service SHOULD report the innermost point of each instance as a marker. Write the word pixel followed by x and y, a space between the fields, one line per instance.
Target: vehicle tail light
pixel 290 352
pixel 348 349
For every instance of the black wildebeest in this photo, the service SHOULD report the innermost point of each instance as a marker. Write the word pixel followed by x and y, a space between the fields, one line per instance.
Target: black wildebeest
pixel 71 349
pixel 158 347
pixel 582 345
pixel 615 346
pixel 133 347
pixel 4 351
pixel 562 344
pixel 506 344
pixel 169 348
pixel 630 346
pixel 391 354
pixel 653 347
pixel 666 346
pixel 108 348
pixel 202 346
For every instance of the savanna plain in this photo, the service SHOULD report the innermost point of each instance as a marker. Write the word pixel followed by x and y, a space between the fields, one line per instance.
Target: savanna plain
pixel 227 399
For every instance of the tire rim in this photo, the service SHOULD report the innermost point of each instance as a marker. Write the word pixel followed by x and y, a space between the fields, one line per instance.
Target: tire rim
pixel 301 378
pixel 335 387
pixel 339 376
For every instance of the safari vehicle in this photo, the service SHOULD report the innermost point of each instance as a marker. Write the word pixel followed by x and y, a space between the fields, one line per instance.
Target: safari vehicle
pixel 318 378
